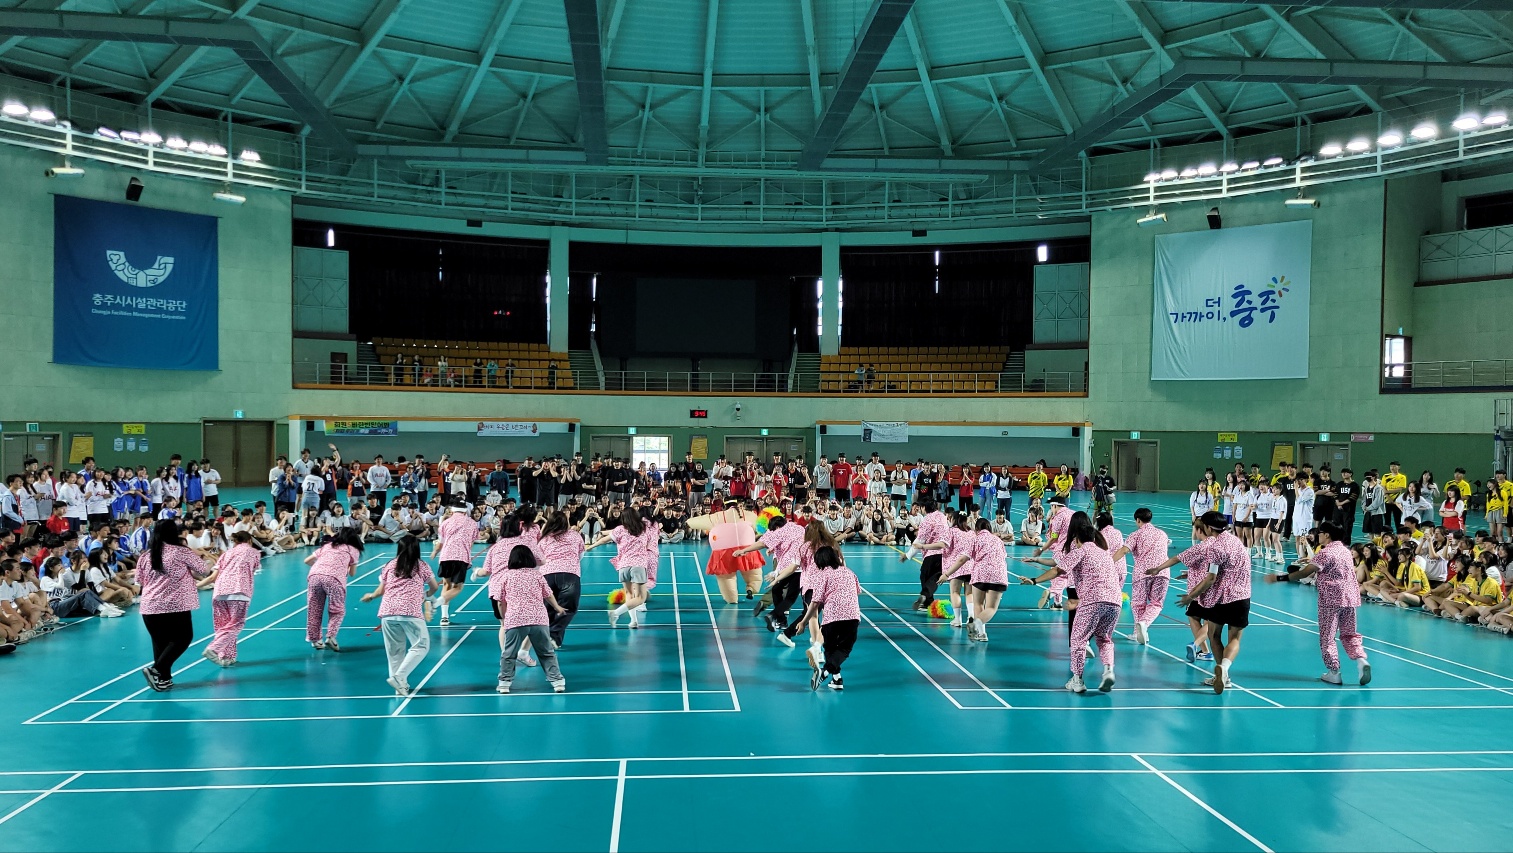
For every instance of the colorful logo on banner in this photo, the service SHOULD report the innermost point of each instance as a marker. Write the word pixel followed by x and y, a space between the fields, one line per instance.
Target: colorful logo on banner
pixel 887 432
pixel 509 429
pixel 1222 297
pixel 107 312
pixel 362 427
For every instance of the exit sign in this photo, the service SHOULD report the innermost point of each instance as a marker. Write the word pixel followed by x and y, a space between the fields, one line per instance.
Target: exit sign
pixel 764 432
pixel 698 413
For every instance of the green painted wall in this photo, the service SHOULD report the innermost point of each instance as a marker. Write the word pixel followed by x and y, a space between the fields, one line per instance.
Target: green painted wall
pixel 1452 322
pixel 1184 455
pixel 682 437
pixel 163 440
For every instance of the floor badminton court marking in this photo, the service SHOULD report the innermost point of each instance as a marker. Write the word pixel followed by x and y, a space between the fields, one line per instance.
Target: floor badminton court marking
pixel 677 617
pixel 434 669
pixel 718 640
pixel 205 639
pixel 954 662
pixel 1205 806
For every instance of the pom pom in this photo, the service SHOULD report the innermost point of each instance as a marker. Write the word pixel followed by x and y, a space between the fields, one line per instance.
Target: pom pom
pixel 940 609
pixel 617 597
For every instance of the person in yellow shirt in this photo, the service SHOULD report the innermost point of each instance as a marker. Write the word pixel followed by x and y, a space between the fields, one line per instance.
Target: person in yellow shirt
pixel 1406 583
pixel 1505 500
pixel 1037 481
pixel 1256 477
pixel 1063 483
pixel 1394 483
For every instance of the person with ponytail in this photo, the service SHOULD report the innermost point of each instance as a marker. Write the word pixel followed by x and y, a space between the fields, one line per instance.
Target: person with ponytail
pixel 330 566
pixel 933 532
pixel 1060 561
pixel 454 552
pixel 837 592
pixel 232 596
pixel 1339 596
pixel 816 538
pixel 636 560
pixel 169 598
pixel 782 540
pixel 1218 591
pixel 406 583
pixel 956 562
pixel 516 529
pixel 989 578
pixel 561 549
pixel 1084 556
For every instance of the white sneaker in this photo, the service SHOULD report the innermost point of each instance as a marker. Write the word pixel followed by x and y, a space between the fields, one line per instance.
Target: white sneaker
pixel 559 686
pixel 525 658
pixel 1075 685
pixel 816 655
pixel 634 622
pixel 1141 637
pixel 502 687
pixel 614 618
pixel 400 688
pixel 1331 676
pixel 1364 667
pixel 446 620
pixel 1106 683
pixel 956 623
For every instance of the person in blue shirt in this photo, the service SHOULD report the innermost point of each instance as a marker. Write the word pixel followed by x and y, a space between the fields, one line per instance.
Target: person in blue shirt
pixel 194 488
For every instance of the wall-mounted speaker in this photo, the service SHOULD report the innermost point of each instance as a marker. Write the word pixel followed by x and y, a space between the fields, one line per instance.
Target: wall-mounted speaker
pixel 1076 432
pixel 824 429
pixel 572 426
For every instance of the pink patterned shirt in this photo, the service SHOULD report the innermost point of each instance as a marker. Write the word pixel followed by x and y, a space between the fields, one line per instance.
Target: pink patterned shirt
pixel 1115 540
pixel 635 550
pixel 838 592
pixel 1336 577
pixel 562 553
pixel 171 589
pixel 958 545
pixel 525 594
pixel 496 563
pixel 1226 553
pixel 235 569
pixel 1150 545
pixel 783 544
pixel 990 563
pixel 457 533
pixel 932 528
pixel 334 560
pixel 404 596
pixel 1094 575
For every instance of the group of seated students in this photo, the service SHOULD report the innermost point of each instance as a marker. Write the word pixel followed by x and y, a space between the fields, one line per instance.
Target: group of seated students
pixel 1447 573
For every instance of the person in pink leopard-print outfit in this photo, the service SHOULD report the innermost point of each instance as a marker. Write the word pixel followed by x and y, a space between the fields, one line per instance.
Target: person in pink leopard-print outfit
pixel 1339 596
pixel 232 596
pixel 330 566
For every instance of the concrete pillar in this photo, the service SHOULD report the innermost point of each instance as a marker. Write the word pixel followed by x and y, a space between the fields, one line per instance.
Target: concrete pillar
pixel 830 296
pixel 556 269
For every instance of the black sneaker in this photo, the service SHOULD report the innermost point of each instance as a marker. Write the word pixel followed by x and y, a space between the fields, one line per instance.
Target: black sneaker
pixel 817 679
pixel 760 606
pixel 7 648
pixel 153 680
pixel 749 596
pixel 836 683
pixel 771 625
pixel 919 603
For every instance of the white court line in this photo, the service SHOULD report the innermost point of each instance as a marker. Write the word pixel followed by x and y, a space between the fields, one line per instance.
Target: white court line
pixel 614 828
pixel 1191 665
pixel 136 670
pixel 1205 806
pixel 719 641
pixel 39 798
pixel 470 694
pixel 913 663
pixel 390 716
pixel 954 661
pixel 198 660
pixel 825 757
pixel 677 618
pixel 455 646
pixel 1319 689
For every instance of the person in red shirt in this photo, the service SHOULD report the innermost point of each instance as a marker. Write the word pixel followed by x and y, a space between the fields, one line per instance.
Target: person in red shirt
pixel 965 488
pixel 56 523
pixel 840 475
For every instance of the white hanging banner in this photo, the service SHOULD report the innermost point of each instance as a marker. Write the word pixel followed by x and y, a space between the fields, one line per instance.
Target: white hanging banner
pixel 1232 303
pixel 512 429
pixel 890 432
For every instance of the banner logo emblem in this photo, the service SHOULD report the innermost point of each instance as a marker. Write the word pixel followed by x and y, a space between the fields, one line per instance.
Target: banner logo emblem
pixel 151 277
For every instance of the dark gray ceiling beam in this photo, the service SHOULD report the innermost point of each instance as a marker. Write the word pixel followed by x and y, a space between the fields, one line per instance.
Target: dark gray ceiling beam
pixel 878 29
pixel 588 71
pixel 237 36
pixel 1187 72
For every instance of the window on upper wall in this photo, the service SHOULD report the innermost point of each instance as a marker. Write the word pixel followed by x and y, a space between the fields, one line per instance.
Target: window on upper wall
pixel 1487 211
pixel 1397 352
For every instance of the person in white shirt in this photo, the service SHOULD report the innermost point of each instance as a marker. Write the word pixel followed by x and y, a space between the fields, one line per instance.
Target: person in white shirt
pixel 310 488
pixel 1002 527
pixel 1032 528
pixel 1243 502
pixel 71 495
pixel 379 480
pixel 304 464
pixel 210 481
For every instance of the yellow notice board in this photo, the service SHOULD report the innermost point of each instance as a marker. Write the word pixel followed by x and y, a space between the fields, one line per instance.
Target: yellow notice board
pixel 1229 438
pixel 699 447
pixel 133 429
pixel 80 445
pixel 1280 452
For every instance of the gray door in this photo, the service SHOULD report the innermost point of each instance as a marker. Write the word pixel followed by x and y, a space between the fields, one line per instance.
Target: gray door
pixel 241 450
pixel 737 446
pixel 1136 465
pixel 19 445
pixel 609 446
pixel 790 446
pixel 1335 455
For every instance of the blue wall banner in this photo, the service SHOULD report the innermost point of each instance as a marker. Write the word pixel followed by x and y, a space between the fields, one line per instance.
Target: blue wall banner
pixel 134 286
pixel 1233 303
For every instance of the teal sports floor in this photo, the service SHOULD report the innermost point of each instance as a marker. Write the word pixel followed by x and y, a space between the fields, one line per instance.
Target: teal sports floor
pixel 699 732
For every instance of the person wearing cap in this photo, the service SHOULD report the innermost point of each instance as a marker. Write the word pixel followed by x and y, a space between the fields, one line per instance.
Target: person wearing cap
pixel 1339 596
pixel 1218 591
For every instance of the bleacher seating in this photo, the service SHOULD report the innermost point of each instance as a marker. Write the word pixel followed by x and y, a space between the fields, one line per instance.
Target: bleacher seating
pixel 531 361
pixel 933 370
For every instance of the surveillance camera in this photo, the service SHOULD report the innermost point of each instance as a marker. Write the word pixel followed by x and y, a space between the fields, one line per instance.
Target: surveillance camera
pixel 738 407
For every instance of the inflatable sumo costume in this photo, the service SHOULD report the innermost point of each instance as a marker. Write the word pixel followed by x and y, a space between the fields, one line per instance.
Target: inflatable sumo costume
pixel 729 529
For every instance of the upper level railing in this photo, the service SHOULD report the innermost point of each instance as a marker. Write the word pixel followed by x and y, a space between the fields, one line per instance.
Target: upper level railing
pixel 1459 255
pixel 703 382
pixel 1475 375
